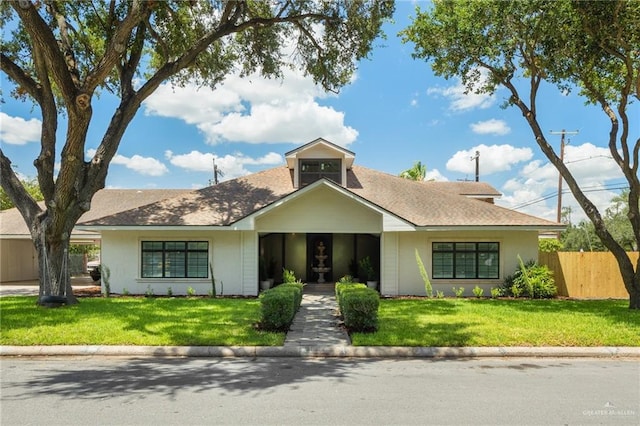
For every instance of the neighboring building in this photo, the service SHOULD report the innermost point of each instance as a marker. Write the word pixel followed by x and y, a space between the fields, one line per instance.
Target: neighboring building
pixel 18 257
pixel 280 216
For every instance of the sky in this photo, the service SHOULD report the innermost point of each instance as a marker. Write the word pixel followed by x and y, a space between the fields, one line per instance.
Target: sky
pixel 394 112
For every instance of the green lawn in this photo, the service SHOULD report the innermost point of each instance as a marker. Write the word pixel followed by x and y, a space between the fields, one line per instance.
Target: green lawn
pixel 135 321
pixel 403 322
pixel 473 322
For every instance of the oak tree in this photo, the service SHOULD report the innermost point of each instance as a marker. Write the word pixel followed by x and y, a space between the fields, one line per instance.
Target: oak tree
pixel 61 54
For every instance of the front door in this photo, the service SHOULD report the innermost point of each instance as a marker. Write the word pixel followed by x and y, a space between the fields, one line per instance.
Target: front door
pixel 319 257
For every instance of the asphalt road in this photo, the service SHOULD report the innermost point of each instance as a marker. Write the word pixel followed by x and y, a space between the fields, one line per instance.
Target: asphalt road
pixel 298 391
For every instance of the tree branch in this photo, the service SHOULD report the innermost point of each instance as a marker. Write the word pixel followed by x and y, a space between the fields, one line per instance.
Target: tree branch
pixel 18 75
pixel 117 45
pixel 42 36
pixel 27 206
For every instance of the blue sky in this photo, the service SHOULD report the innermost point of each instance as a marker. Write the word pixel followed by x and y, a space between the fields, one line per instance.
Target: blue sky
pixel 394 112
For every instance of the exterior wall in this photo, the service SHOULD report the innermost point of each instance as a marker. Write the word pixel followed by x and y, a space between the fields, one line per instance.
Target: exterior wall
pixel 409 282
pixel 233 256
pixel 322 210
pixel 18 260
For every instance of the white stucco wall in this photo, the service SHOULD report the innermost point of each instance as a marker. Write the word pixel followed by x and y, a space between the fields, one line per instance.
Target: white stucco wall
pixel 409 281
pixel 321 210
pixel 228 252
pixel 18 260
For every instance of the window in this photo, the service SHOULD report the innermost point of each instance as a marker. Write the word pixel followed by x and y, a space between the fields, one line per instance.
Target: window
pixel 312 170
pixel 466 260
pixel 175 259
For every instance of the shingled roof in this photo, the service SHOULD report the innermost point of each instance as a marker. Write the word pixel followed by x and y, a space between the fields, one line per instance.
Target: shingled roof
pixel 430 204
pixel 105 202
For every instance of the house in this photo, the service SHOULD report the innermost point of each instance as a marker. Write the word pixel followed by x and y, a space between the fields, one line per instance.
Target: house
pixel 18 257
pixel 280 217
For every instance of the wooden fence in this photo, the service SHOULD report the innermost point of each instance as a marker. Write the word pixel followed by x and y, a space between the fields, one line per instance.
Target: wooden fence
pixel 587 275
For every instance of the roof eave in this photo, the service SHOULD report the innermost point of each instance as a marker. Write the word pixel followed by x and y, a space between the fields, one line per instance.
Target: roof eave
pixel 538 228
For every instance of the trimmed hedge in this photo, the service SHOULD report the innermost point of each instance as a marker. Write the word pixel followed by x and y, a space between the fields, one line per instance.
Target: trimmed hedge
pixel 358 306
pixel 279 306
pixel 342 287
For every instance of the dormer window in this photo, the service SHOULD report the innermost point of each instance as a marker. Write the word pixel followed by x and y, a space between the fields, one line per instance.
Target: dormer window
pixel 313 169
pixel 319 159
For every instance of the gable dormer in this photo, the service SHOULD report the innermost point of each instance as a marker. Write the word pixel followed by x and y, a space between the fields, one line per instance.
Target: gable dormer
pixel 319 159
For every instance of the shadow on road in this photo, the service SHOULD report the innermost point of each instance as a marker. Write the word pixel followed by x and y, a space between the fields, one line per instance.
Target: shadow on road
pixel 170 375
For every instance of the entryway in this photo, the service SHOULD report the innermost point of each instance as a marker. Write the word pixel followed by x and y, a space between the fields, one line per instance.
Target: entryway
pixel 298 251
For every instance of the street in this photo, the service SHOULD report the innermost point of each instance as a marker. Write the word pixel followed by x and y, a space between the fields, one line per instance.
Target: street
pixel 198 391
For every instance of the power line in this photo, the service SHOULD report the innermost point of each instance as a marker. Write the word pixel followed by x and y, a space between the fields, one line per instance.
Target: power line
pixel 608 187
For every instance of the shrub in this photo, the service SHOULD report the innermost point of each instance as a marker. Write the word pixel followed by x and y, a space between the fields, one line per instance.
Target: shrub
pixel 458 291
pixel 277 309
pixel 360 309
pixel 296 288
pixel 478 291
pixel 191 291
pixel 495 292
pixel 549 245
pixel 279 306
pixel 343 287
pixel 288 276
pixel 346 279
pixel 531 280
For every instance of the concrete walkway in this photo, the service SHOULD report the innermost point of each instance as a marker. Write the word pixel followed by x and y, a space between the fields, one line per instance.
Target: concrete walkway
pixel 317 323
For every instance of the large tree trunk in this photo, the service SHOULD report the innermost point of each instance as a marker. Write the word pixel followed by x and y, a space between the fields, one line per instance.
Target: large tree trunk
pixel 53 263
pixel 631 281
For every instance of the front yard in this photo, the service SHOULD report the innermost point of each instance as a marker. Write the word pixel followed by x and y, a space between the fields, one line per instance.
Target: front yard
pixel 403 322
pixel 486 322
pixel 135 321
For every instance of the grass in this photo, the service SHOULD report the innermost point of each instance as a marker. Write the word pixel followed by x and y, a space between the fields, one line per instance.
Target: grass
pixel 135 321
pixel 473 322
pixel 403 322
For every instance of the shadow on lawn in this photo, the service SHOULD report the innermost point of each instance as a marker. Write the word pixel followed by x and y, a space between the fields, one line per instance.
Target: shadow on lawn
pixel 168 376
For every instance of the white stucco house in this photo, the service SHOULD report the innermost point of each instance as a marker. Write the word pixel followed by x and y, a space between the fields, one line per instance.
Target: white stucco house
pixel 281 215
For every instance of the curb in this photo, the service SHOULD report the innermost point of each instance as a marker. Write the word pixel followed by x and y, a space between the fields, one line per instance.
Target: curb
pixel 338 351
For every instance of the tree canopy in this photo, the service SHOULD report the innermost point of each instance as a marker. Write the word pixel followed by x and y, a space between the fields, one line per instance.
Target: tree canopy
pixel 590 47
pixel 417 172
pixel 61 54
pixel 30 184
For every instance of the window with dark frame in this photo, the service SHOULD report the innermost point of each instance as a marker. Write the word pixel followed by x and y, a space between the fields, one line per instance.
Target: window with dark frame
pixel 466 260
pixel 175 259
pixel 313 169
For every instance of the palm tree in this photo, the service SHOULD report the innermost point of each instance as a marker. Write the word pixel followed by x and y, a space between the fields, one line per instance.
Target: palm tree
pixel 417 172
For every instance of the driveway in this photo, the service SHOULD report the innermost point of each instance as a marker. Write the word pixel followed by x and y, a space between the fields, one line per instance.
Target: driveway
pixel 30 288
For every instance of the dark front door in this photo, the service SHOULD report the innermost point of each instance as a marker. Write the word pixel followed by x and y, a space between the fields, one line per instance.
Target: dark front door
pixel 314 242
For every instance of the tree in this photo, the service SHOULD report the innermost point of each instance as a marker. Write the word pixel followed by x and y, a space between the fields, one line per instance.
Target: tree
pixel 587 46
pixel 417 172
pixel 30 185
pixel 61 54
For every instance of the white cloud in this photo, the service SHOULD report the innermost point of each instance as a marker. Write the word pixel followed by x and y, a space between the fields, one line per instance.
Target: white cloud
pixel 491 127
pixel 18 131
pixel 255 110
pixel 494 158
pixel 535 189
pixel 147 166
pixel 231 166
pixel 462 99
pixel 435 175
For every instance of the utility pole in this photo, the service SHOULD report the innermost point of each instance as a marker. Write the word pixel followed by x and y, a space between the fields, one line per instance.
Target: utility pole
pixel 216 172
pixel 562 133
pixel 477 158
